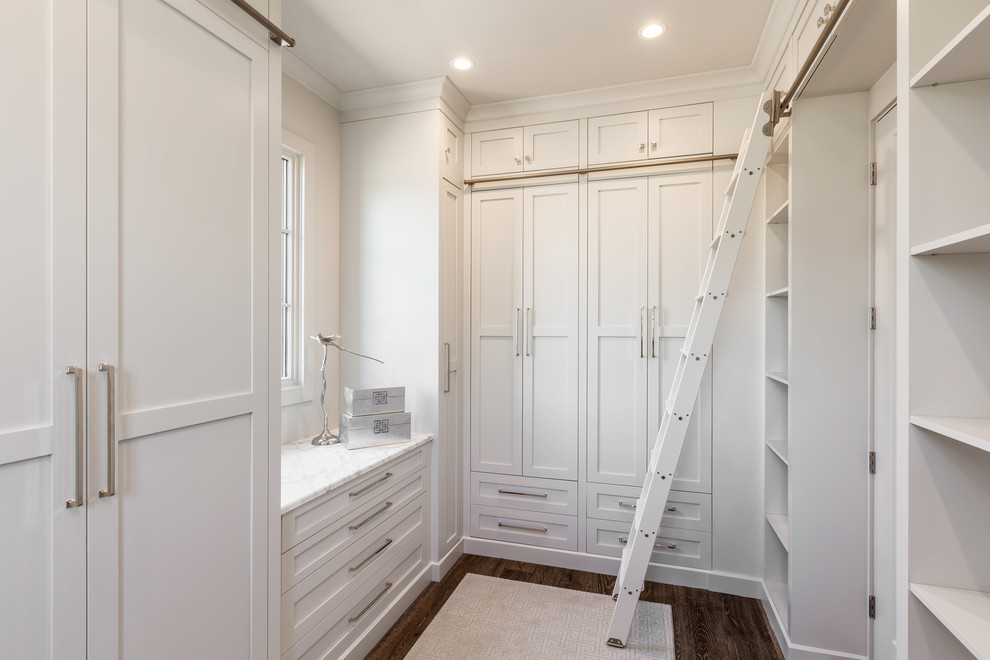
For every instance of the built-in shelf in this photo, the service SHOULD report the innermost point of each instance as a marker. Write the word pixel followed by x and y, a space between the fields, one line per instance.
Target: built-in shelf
pixel 974 431
pixel 781 215
pixel 779 600
pixel 779 447
pixel 780 149
pixel 965 613
pixel 779 376
pixel 781 526
pixel 965 242
pixel 965 57
pixel 780 293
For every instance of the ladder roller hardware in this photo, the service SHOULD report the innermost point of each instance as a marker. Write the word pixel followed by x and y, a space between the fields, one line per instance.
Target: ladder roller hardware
pixel 708 305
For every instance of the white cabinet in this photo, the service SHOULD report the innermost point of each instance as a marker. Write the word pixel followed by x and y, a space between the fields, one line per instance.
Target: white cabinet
pixel 525 320
pixel 663 133
pixel 451 152
pixel 816 16
pixel 143 261
pixel 647 241
pixel 525 149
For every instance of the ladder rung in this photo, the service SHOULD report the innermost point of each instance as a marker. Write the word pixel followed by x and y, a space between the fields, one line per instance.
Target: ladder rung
pixel 669 404
pixel 715 241
pixel 699 297
pixel 731 188
pixel 684 351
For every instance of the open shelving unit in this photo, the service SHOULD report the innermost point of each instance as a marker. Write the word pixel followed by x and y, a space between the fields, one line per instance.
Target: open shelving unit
pixel 946 90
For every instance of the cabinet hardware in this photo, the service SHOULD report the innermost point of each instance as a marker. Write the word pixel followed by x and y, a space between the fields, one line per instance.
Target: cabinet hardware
pixel 77 373
pixel 653 332
pixel 446 346
pixel 670 546
pixel 654 145
pixel 388 505
pixel 517 160
pixel 516 492
pixel 388 475
pixel 873 318
pixel 627 505
pixel 274 33
pixel 353 569
pixel 671 508
pixel 541 530
pixel 873 462
pixel 642 323
pixel 872 607
pixel 447 151
pixel 529 332
pixel 111 488
pixel 642 146
pixel 515 331
pixel 529 159
pixel 355 619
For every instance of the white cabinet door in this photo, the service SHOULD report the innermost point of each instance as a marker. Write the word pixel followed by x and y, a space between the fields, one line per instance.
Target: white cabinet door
pixel 681 131
pixel 618 251
pixel 617 138
pixel 451 151
pixel 497 152
pixel 178 291
pixel 496 327
pixel 42 267
pixel 550 146
pixel 550 331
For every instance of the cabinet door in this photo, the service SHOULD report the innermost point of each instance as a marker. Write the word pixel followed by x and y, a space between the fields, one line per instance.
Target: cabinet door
pixel 810 28
pixel 550 146
pixel 496 331
pixel 179 197
pixel 497 152
pixel 617 138
pixel 43 269
pixel 617 352
pixel 681 131
pixel 550 331
pixel 451 151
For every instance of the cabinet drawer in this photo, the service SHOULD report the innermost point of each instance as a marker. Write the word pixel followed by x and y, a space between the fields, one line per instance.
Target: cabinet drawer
pixel 532 528
pixel 685 510
pixel 617 138
pixel 546 495
pixel 304 558
pixel 675 547
pixel 497 152
pixel 681 131
pixel 338 630
pixel 301 523
pixel 308 602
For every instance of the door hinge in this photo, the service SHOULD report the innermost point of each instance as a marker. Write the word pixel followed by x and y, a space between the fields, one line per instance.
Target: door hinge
pixel 873 174
pixel 873 607
pixel 873 318
pixel 873 462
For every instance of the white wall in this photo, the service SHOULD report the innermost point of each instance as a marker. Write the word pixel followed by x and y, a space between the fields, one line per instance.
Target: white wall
pixel 317 122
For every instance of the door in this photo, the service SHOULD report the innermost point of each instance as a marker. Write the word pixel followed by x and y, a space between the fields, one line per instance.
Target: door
pixel 617 138
pixel 43 505
pixel 177 332
pixel 884 223
pixel 550 146
pixel 681 131
pixel 497 152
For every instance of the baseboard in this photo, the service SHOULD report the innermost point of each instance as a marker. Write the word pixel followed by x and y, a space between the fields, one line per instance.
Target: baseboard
pixel 799 651
pixel 362 647
pixel 441 567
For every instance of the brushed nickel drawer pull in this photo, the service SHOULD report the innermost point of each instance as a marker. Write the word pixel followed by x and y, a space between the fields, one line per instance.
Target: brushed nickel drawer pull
pixel 541 530
pixel 627 505
pixel 111 488
pixel 76 374
pixel 516 492
pixel 669 546
pixel 354 619
pixel 388 505
pixel 388 475
pixel 374 554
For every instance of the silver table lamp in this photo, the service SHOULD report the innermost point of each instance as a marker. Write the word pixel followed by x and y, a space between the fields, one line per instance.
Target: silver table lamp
pixel 326 437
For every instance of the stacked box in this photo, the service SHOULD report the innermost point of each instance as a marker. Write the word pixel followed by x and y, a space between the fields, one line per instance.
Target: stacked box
pixel 373 417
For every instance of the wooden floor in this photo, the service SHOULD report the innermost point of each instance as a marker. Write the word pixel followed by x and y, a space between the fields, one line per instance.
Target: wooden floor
pixel 707 625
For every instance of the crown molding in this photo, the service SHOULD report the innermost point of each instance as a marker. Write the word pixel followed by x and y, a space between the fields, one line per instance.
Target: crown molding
pixel 431 94
pixel 306 76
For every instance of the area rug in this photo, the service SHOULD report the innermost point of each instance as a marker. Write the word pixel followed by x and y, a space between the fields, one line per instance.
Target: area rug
pixel 490 617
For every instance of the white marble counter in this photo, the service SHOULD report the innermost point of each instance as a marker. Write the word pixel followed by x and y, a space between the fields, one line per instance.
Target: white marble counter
pixel 309 471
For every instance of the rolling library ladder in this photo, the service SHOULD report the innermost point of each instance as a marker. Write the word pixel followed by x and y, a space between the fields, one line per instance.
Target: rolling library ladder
pixel 739 198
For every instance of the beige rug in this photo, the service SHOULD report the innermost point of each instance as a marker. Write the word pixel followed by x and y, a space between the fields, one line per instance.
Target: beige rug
pixel 489 617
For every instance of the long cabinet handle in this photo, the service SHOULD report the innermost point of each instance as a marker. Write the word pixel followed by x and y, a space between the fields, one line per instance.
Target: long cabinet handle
pixel 670 546
pixel 515 331
pixel 529 332
pixel 358 567
pixel 356 493
pixel 541 530
pixel 388 505
pixel 642 331
pixel 627 505
pixel 77 374
pixel 653 332
pixel 111 488
pixel 355 619
pixel 446 347
pixel 516 492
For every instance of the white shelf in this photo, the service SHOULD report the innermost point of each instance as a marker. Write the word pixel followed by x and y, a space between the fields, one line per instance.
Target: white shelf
pixel 779 376
pixel 779 447
pixel 781 526
pixel 973 431
pixel 779 600
pixel 965 613
pixel 971 241
pixel 965 57
pixel 780 293
pixel 781 215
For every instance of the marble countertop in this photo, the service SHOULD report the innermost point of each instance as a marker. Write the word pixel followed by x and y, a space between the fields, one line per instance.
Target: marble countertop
pixel 309 471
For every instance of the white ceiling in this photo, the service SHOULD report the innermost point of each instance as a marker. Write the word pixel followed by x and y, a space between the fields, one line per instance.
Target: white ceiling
pixel 522 48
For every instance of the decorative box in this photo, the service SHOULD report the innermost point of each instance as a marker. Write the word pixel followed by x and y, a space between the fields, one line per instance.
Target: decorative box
pixel 357 431
pixel 376 401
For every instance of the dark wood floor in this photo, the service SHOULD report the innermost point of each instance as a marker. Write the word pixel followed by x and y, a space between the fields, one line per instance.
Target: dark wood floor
pixel 707 625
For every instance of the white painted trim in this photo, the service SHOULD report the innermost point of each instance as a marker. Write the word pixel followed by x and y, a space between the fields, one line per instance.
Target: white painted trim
pixel 440 568
pixel 883 94
pixel 432 94
pixel 306 76
pixel 798 651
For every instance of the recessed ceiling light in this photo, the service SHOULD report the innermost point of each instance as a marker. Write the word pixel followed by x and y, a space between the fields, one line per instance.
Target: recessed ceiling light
pixel 461 63
pixel 652 31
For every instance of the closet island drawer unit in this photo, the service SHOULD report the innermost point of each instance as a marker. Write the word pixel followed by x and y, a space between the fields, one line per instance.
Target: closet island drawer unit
pixel 675 547
pixel 684 509
pixel 355 530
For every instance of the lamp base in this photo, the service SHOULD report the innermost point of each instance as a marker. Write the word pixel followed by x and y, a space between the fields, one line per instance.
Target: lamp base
pixel 325 438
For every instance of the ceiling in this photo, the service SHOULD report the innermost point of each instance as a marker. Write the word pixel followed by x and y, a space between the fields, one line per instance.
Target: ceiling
pixel 522 48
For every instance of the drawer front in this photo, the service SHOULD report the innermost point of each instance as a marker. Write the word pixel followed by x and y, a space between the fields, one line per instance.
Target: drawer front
pixel 550 146
pixel 301 523
pixel 307 603
pixel 338 630
pixel 546 495
pixel 497 152
pixel 304 558
pixel 617 138
pixel 684 510
pixel 675 547
pixel 532 528
pixel 681 131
